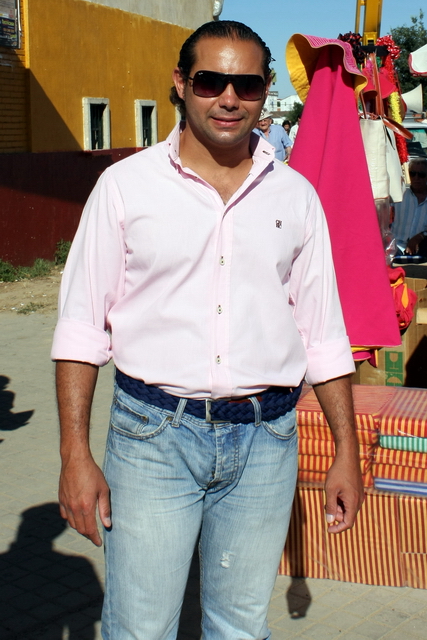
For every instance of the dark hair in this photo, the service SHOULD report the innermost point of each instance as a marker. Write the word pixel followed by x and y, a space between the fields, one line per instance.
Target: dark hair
pixel 216 29
pixel 286 122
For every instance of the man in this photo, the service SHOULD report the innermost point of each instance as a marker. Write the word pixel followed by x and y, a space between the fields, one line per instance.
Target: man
pixel 275 135
pixel 410 222
pixel 294 130
pixel 214 306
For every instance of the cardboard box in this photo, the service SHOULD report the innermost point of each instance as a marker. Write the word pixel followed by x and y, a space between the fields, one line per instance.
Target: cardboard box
pixel 405 365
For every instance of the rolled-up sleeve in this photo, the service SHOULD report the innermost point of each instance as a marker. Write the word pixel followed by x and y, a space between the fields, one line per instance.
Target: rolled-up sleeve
pixel 317 308
pixel 93 279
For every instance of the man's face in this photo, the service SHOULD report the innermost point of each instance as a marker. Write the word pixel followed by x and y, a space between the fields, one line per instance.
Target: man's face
pixel 226 120
pixel 418 177
pixel 264 125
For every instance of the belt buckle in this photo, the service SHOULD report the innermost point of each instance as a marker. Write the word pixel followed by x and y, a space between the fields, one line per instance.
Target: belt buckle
pixel 208 416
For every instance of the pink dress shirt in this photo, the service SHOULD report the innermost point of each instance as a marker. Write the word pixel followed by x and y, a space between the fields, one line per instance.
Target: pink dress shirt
pixel 198 297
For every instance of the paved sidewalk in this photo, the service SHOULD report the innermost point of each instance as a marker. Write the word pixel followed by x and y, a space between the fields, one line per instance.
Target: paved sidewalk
pixel 51 578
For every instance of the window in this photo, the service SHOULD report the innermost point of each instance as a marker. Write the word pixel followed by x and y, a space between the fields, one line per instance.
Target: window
pixel 96 123
pixel 146 122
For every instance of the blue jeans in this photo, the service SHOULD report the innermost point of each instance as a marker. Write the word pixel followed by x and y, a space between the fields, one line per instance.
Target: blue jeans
pixel 173 478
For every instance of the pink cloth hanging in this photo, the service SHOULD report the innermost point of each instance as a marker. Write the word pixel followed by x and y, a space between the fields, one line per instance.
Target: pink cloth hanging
pixel 329 152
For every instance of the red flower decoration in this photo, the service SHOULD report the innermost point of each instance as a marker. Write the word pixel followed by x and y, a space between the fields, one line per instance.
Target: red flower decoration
pixel 393 49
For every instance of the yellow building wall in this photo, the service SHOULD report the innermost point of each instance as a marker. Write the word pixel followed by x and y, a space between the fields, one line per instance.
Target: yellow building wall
pixel 79 49
pixel 13 96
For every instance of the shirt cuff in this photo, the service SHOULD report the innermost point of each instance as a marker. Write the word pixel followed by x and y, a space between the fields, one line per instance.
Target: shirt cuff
pixel 329 360
pixel 80 342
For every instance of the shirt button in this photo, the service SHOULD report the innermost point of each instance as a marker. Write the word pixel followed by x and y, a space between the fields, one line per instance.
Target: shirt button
pixel 222 261
pixel 218 359
pixel 219 309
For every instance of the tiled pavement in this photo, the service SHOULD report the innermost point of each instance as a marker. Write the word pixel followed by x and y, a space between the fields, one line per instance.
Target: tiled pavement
pixel 51 578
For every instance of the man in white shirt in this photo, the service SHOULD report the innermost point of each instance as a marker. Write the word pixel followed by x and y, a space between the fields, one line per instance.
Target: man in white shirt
pixel 294 130
pixel 204 269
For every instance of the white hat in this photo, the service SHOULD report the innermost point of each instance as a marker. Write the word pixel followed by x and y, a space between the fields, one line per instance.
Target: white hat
pixel 265 113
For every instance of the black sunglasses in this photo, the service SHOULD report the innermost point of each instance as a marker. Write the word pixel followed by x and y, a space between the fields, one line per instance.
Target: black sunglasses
pixel 210 84
pixel 420 174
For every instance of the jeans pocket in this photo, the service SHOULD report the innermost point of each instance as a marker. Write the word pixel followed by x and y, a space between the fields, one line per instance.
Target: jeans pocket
pixel 136 419
pixel 283 428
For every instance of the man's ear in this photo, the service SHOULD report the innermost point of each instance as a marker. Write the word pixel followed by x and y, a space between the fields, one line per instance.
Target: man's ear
pixel 179 82
pixel 268 85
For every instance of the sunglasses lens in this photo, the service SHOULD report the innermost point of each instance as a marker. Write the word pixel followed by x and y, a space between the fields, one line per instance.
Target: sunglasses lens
pixel 249 87
pixel 420 174
pixel 209 84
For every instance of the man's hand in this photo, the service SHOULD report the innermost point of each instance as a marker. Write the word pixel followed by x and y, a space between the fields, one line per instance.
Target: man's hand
pixel 344 493
pixel 344 487
pixel 414 244
pixel 81 487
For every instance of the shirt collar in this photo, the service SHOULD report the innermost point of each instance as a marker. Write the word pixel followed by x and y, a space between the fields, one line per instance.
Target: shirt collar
pixel 262 151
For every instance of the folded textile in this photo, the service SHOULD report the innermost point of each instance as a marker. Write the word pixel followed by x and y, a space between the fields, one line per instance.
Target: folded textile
pixel 401 486
pixel 405 414
pixel 404 443
pixel 395 472
pixel 401 458
pixel 327 448
pixel 324 463
pixel 319 477
pixel 323 432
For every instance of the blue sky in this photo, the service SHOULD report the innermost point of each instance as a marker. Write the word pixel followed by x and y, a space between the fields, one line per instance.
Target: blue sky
pixel 276 20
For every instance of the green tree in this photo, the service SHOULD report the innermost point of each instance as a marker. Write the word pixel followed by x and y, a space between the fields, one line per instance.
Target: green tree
pixel 410 39
pixel 295 112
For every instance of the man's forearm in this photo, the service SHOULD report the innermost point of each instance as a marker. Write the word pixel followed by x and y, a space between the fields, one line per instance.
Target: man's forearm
pixel 75 386
pixel 335 398
pixel 344 487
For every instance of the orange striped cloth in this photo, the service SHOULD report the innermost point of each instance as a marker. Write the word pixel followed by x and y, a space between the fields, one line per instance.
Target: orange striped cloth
pixel 324 463
pixel 318 478
pixel 327 448
pixel 323 433
pixel 369 553
pixel 369 401
pixel 401 458
pixel 395 472
pixel 413 539
pixel 405 414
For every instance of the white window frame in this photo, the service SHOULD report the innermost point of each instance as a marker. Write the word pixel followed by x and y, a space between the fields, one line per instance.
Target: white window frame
pixel 138 121
pixel 87 136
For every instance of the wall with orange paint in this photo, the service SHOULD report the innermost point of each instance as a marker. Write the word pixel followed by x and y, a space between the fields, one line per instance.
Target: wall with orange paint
pixel 82 49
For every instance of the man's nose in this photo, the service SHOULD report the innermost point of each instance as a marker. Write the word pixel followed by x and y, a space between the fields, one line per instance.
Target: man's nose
pixel 229 98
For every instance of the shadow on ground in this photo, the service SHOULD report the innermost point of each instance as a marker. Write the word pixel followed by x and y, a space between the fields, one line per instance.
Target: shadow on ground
pixel 44 593
pixel 10 421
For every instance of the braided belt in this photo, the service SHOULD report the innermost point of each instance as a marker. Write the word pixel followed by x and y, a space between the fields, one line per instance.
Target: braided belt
pixel 275 402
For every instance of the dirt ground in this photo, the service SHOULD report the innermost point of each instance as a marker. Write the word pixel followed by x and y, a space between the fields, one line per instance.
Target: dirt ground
pixel 38 295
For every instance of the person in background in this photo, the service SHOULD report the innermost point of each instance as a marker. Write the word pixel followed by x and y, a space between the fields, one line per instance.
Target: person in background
pixel 287 126
pixel 410 218
pixel 294 130
pixel 203 267
pixel 275 135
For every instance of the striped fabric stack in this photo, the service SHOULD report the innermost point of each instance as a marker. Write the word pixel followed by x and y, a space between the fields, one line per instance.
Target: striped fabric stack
pixel 316 448
pixel 400 463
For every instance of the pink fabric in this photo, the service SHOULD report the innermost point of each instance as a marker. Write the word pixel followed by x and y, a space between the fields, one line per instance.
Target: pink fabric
pixel 329 152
